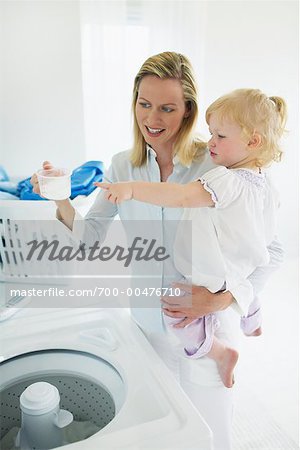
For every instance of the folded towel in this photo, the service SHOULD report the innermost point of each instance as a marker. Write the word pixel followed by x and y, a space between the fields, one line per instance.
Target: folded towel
pixel 8 196
pixel 9 186
pixel 3 174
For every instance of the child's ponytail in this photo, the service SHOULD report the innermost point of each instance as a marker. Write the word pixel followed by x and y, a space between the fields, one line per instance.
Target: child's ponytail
pixel 281 108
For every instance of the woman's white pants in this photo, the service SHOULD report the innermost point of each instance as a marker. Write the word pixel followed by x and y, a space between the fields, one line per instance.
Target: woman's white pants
pixel 200 379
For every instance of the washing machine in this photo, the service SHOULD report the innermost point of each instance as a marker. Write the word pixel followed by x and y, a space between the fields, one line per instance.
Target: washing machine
pixel 107 375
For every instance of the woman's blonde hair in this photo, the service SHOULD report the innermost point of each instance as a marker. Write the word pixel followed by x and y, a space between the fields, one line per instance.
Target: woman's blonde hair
pixel 170 65
pixel 253 111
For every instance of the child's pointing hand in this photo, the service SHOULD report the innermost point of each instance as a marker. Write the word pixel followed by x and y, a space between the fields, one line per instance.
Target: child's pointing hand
pixel 116 192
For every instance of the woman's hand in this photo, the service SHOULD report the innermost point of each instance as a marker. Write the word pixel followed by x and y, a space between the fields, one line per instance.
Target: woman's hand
pixel 116 192
pixel 197 302
pixel 65 212
pixel 34 181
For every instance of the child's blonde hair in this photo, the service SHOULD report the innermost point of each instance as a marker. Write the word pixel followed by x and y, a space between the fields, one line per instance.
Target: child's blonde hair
pixel 254 112
pixel 170 65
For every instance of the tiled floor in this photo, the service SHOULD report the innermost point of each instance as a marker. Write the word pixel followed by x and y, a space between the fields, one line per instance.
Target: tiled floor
pixel 268 374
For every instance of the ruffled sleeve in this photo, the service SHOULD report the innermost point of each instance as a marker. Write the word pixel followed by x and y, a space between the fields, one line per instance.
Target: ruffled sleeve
pixel 223 185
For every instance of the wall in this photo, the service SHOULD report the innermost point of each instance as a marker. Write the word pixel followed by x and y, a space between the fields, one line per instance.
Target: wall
pixel 48 114
pixel 41 85
pixel 1 84
pixel 255 44
pixel 231 44
pixel 117 37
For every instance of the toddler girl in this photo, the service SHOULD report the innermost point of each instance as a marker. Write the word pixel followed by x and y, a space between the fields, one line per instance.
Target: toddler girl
pixel 233 212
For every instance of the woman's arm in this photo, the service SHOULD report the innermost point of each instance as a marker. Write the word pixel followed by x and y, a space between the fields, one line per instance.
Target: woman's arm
pixel 195 303
pixel 65 212
pixel 172 195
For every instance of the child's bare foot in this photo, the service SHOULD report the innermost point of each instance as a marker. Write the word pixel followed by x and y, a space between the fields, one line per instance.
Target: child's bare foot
pixel 256 332
pixel 226 366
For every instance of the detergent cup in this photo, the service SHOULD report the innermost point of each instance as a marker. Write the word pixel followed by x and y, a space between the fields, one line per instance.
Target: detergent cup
pixel 42 419
pixel 55 183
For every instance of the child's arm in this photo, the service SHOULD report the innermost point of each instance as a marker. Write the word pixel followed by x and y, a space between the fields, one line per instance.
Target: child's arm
pixel 174 195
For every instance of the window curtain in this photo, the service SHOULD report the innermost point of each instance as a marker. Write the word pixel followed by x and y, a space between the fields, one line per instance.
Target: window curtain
pixel 116 38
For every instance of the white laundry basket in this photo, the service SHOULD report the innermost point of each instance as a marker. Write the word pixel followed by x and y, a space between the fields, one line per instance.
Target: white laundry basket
pixel 19 222
pixel 22 221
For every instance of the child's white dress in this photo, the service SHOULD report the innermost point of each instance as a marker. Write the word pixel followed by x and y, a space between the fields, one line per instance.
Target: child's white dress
pixel 229 241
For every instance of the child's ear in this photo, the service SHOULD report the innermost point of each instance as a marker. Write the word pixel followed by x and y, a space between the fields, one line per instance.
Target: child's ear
pixel 255 140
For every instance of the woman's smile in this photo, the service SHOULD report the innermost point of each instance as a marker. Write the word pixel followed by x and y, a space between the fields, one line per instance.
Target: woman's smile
pixel 154 132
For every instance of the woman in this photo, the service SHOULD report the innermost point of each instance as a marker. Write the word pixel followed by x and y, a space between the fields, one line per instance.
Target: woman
pixel 166 149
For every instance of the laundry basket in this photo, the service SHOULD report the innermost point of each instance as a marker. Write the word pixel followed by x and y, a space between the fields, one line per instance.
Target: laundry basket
pixel 24 221
pixel 20 223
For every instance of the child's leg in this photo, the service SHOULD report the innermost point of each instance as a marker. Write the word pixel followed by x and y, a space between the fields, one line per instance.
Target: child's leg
pixel 251 324
pixel 196 338
pixel 226 359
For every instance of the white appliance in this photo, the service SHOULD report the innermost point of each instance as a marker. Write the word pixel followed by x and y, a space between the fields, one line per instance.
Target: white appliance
pixel 106 373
